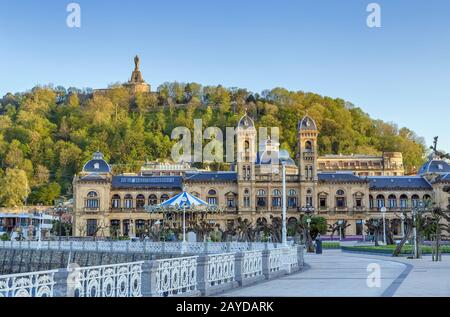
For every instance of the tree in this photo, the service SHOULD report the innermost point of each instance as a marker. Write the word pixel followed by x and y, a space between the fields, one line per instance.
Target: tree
pixel 45 194
pixel 318 225
pixel 13 188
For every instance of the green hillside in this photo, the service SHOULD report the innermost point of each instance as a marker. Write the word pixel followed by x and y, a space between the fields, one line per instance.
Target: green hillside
pixel 47 134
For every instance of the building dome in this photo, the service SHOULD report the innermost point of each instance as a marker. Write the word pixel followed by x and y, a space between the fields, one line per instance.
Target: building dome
pixel 307 123
pixel 435 166
pixel 246 122
pixel 97 164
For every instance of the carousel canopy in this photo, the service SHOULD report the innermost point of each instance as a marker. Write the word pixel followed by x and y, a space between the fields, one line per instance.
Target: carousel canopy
pixel 184 200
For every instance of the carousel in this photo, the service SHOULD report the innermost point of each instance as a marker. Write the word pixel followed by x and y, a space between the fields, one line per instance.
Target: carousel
pixel 184 211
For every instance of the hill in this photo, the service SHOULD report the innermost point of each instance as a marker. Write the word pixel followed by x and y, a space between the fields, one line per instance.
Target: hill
pixel 47 134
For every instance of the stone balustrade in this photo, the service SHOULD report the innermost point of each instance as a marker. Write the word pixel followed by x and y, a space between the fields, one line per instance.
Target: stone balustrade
pixel 141 246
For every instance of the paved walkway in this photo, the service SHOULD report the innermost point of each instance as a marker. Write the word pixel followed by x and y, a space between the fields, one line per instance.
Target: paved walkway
pixel 337 273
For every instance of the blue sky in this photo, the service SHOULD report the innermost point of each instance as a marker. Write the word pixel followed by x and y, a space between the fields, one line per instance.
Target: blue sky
pixel 399 72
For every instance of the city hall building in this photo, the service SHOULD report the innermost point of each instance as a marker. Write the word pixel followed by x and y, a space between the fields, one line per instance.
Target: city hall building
pixel 352 188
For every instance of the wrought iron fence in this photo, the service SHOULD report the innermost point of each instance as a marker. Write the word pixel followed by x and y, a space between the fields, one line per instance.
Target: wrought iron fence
pixel 116 280
pixel 175 276
pixel 142 246
pixel 220 268
pixel 35 284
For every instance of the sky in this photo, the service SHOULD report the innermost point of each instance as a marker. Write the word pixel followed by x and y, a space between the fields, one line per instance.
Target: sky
pixel 399 72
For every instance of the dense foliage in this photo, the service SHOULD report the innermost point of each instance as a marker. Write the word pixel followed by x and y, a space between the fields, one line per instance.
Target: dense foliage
pixel 47 134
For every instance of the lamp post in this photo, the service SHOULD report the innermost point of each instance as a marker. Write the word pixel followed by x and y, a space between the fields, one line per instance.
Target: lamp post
pixel 284 229
pixel 183 245
pixel 402 224
pixel 415 209
pixel 308 210
pixel 40 231
pixel 363 223
pixel 340 229
pixel 383 212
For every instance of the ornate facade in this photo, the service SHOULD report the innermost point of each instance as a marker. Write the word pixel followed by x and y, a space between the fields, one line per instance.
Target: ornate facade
pixel 253 189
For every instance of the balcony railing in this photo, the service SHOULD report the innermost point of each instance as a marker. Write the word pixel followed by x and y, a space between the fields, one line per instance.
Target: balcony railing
pixel 91 209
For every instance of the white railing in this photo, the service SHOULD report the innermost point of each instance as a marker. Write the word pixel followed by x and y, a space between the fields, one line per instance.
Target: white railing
pixel 291 258
pixel 220 268
pixel 139 246
pixel 35 284
pixel 176 276
pixel 115 280
pixel 275 260
pixel 252 265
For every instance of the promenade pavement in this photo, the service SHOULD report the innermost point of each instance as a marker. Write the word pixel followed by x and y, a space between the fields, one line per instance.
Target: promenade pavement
pixel 336 273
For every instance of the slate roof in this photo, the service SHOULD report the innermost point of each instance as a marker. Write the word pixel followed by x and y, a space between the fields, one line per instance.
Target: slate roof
pixel 147 182
pixel 398 182
pixel 435 166
pixel 211 176
pixel 97 164
pixel 307 123
pixel 339 177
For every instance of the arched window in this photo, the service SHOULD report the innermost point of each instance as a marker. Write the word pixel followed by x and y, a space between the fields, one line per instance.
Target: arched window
pixel 392 201
pixel 276 198
pixel 115 202
pixel 152 200
pixel 246 150
pixel 128 200
pixel 261 198
pixel 403 201
pixel 415 199
pixel 140 201
pixel 426 197
pixel 340 199
pixel 380 201
pixel 309 200
pixel 92 200
pixel 292 198
pixel 308 146
pixel 246 198
pixel 212 197
pixel 371 202
pixel 164 197
pixel 140 227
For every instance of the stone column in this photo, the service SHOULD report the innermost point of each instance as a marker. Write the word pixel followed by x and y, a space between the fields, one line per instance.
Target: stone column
pixel 202 274
pixel 148 279
pixel 60 288
pixel 239 268
pixel 265 263
pixel 300 256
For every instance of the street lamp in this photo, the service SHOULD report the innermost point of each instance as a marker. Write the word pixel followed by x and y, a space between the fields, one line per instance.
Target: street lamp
pixel 284 229
pixel 402 224
pixel 415 209
pixel 383 212
pixel 183 246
